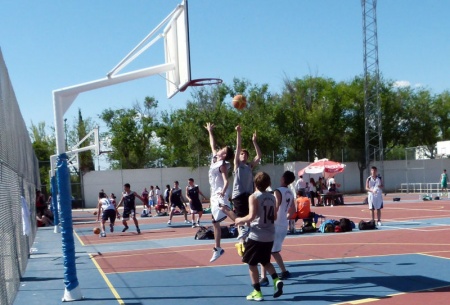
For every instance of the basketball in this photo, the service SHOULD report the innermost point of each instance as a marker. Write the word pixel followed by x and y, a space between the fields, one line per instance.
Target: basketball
pixel 95 212
pixel 239 102
pixel 97 230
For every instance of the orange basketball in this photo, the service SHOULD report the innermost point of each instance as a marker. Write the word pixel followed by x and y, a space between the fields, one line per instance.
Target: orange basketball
pixel 239 102
pixel 97 230
pixel 95 212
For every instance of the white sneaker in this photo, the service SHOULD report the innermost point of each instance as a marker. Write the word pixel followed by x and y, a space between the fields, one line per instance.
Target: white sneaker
pixel 187 221
pixel 217 252
pixel 379 223
pixel 169 223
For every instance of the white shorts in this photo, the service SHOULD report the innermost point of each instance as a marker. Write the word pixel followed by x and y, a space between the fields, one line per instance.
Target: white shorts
pixel 375 201
pixel 280 235
pixel 216 209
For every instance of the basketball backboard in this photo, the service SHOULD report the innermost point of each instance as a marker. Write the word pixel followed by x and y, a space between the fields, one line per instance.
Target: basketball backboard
pixel 176 48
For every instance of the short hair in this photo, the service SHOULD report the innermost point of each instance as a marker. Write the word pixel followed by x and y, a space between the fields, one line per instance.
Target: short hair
pixel 176 182
pixel 127 185
pixel 101 195
pixel 246 152
pixel 373 167
pixel 191 179
pixel 288 177
pixel 230 154
pixel 113 196
pixel 262 181
pixel 301 193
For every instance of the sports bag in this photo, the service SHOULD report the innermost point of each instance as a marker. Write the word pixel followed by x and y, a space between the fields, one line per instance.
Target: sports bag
pixel 367 225
pixel 204 233
pixel 327 226
pixel 345 224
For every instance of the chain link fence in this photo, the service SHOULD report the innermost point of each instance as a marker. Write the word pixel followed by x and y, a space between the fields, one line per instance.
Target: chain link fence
pixel 19 176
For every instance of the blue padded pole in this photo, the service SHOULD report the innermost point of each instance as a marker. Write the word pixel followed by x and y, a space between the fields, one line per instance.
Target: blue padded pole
pixel 65 204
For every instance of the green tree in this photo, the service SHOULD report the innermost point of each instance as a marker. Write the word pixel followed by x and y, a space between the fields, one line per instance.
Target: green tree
pixel 441 110
pixel 422 126
pixel 44 146
pixel 130 133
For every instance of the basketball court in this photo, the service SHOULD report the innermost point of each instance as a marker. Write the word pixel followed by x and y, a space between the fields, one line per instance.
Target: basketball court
pixel 403 262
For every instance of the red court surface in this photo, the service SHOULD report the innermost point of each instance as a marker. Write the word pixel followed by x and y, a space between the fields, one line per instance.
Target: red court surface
pixel 405 261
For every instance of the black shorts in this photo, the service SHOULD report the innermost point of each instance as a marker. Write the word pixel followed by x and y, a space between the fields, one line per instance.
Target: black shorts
pixel 196 206
pixel 257 252
pixel 109 214
pixel 179 205
pixel 240 204
pixel 127 211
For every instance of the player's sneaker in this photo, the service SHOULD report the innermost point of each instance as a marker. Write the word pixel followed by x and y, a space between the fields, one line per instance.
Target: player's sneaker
pixel 284 275
pixel 169 223
pixel 263 282
pixel 277 288
pixel 217 252
pixel 138 231
pixel 124 229
pixel 255 296
pixel 103 234
pixel 111 227
pixel 187 221
pixel 240 248
pixel 243 232
pixel 379 223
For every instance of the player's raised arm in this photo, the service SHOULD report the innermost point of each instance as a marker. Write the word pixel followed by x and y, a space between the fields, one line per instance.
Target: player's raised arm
pixel 238 147
pixel 209 126
pixel 258 152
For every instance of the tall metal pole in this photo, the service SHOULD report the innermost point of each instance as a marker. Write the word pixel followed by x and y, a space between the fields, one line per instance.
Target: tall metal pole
pixel 372 101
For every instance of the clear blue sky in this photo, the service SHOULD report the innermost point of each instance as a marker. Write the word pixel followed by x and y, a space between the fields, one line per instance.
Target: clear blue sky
pixel 52 44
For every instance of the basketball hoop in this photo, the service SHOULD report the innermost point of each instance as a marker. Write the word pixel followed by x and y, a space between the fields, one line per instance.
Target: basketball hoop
pixel 201 82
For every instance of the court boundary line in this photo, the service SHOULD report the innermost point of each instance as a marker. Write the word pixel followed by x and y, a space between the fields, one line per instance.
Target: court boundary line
pixel 286 262
pixel 108 282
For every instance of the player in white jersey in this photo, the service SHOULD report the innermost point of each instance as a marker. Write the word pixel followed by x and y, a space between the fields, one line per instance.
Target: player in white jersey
pixel 374 187
pixel 218 180
pixel 285 208
pixel 109 212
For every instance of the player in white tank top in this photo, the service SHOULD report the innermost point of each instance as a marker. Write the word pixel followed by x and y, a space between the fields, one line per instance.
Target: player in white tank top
pixel 285 209
pixel 218 179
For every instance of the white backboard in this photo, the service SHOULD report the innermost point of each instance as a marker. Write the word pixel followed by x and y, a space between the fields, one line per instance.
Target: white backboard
pixel 176 48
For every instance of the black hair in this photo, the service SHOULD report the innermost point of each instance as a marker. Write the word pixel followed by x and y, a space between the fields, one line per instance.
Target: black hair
pixel 230 153
pixel 288 177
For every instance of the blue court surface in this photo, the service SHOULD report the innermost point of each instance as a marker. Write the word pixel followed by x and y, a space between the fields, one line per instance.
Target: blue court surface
pixel 407 255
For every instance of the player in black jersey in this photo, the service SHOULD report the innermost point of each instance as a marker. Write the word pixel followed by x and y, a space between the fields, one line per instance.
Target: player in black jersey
pixel 129 207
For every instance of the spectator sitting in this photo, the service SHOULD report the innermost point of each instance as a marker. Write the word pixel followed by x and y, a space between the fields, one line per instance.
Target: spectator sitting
pixel 43 220
pixel 161 207
pixel 337 199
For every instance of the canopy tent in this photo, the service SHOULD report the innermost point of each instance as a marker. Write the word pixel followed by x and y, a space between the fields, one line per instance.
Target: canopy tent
pixel 323 166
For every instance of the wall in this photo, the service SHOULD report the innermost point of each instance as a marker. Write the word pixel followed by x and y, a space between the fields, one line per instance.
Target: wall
pixel 395 173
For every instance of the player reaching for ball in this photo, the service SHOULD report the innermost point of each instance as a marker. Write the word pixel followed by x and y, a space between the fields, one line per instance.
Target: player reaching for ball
pixel 218 174
pixel 108 211
pixel 243 183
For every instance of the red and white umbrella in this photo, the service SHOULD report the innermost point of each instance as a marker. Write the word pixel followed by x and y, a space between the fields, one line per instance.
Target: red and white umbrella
pixel 323 166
